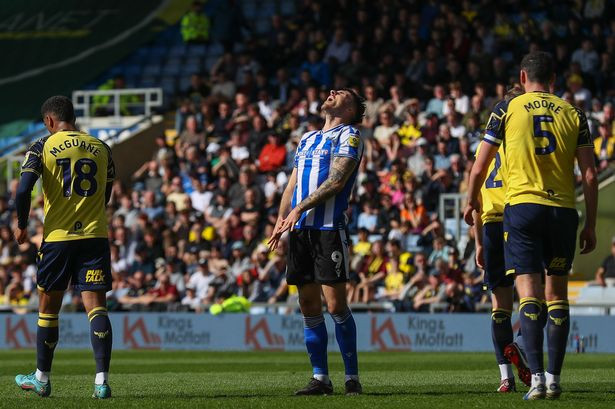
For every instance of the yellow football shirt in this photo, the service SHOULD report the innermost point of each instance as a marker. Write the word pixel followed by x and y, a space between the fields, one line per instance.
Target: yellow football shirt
pixel 493 191
pixel 540 133
pixel 75 168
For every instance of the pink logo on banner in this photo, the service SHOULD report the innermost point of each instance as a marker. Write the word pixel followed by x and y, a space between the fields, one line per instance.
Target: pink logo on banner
pixel 18 335
pixel 260 332
pixel 136 335
pixel 395 341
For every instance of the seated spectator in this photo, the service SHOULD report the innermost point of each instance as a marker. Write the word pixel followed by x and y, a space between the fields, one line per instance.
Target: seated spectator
pixel 148 177
pixel 372 108
pixel 386 129
pixel 414 213
pixel 218 212
pixel 477 109
pixel 461 102
pixel 273 154
pixel 190 300
pixel 436 104
pixel 240 262
pixel 270 273
pixel 317 69
pixel 394 281
pixel 372 273
pixel 581 95
pixel 605 275
pixel 190 135
pixel 164 292
pixel 442 157
pixel 198 90
pixel 236 193
pixel 338 49
pixel 430 130
pixel 363 246
pixel 440 251
pixel 150 206
pixel 200 282
pixel 586 57
pixel 201 197
pixel 604 146
pixel 410 131
pixel 368 218
pixel 457 130
pixel 250 213
pixel 431 293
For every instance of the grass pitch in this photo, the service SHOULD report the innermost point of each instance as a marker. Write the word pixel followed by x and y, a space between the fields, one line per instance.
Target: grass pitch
pixel 155 379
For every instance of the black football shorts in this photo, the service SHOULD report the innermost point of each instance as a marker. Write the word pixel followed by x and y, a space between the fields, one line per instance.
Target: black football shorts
pixel 317 256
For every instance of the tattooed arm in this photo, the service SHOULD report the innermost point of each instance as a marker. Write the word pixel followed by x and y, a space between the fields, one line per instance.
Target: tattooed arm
pixel 341 170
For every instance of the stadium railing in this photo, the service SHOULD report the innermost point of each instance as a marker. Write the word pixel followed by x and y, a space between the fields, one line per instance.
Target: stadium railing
pixel 449 213
pixel 146 98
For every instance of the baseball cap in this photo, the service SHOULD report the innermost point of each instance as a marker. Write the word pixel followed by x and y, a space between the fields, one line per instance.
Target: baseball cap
pixel 237 246
pixel 421 142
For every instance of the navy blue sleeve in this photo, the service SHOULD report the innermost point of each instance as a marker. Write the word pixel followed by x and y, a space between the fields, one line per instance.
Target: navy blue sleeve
pixel 585 138
pixel 23 197
pixel 494 131
pixel 33 161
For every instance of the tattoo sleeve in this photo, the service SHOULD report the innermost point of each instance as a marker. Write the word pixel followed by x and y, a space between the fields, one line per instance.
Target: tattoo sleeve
pixel 341 170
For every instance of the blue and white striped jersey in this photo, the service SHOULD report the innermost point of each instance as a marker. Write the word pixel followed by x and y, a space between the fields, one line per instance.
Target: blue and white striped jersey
pixel 313 161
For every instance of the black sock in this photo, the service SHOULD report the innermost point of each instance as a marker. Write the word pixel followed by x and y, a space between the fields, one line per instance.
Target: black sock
pixel 557 334
pixel 533 336
pixel 501 332
pixel 101 337
pixel 47 334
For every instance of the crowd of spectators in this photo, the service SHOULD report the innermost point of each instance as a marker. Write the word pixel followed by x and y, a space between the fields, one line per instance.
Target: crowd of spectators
pixel 190 229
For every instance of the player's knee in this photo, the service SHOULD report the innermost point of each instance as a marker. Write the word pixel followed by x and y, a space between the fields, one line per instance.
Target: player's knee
pixel 337 306
pixel 310 307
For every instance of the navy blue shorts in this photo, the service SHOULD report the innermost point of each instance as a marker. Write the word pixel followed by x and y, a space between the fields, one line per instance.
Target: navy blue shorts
pixel 493 254
pixel 539 237
pixel 86 263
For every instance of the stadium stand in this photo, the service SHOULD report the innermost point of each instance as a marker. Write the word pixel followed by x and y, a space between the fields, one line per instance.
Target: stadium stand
pixel 189 226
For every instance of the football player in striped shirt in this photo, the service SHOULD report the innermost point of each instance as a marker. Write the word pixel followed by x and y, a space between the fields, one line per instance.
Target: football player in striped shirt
pixel 312 208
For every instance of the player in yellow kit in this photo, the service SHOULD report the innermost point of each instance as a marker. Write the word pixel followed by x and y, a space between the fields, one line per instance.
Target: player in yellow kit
pixel 542 135
pixel 77 171
pixel 489 237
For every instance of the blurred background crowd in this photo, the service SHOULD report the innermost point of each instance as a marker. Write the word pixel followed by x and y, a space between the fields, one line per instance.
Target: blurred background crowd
pixel 190 229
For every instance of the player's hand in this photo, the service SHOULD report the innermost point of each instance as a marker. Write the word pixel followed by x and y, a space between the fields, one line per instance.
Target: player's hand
pixel 587 240
pixel 480 261
pixel 289 222
pixel 274 240
pixel 467 212
pixel 21 235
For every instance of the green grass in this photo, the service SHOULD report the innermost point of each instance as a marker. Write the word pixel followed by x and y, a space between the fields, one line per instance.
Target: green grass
pixel 149 379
